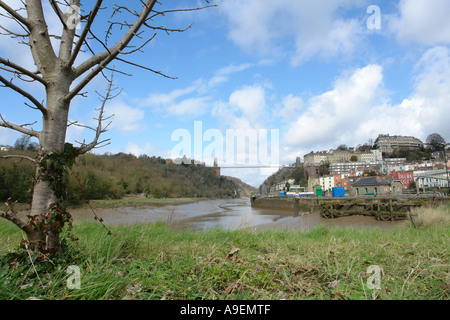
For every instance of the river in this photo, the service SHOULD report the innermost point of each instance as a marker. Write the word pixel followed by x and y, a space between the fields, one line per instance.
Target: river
pixel 227 214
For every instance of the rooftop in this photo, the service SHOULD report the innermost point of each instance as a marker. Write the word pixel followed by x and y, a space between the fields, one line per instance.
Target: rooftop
pixel 373 181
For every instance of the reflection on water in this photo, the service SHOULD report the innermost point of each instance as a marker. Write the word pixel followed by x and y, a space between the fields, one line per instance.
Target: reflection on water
pixel 230 214
pixel 233 214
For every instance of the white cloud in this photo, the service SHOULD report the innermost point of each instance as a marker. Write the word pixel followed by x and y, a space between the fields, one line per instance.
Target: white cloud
pixel 126 118
pixel 193 107
pixel 161 99
pixel 331 116
pixel 134 149
pixel 422 21
pixel 291 106
pixel 298 29
pixel 245 109
pixel 192 101
pixel 357 108
pixel 427 109
pixel 222 75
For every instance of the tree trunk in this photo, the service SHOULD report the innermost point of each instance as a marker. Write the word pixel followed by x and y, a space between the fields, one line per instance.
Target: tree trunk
pixel 45 222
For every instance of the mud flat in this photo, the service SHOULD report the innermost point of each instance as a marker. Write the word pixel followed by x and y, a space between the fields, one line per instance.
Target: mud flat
pixel 307 221
pixel 226 214
pixel 382 207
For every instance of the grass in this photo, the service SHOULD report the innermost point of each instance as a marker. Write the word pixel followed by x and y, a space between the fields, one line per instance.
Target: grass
pixel 155 262
pixel 431 216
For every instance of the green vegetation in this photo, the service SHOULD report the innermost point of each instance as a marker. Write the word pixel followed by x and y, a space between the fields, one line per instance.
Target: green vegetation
pixel 410 155
pixel 155 262
pixel 113 176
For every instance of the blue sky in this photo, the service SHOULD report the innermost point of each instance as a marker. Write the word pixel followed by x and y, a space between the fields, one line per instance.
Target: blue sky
pixel 312 70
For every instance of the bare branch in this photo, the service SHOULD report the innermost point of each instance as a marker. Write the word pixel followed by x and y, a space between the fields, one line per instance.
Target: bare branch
pixel 18 156
pixel 41 46
pixel 84 148
pixel 25 94
pixel 141 46
pixel 163 13
pixel 146 68
pixel 102 60
pixel 68 34
pixel 85 31
pixel 11 215
pixel 13 13
pixel 19 128
pixel 14 34
pixel 58 12
pixel 22 70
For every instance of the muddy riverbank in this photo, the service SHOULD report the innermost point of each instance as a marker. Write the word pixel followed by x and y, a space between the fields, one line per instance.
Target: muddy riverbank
pixel 226 214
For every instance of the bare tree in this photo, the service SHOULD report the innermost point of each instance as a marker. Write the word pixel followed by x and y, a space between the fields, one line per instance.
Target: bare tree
pixel 62 77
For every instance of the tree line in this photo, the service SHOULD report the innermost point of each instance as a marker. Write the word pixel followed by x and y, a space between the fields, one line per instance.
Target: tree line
pixel 111 176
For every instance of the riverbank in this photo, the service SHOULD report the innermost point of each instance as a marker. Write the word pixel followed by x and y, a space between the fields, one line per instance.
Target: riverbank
pixel 139 202
pixel 116 208
pixel 152 261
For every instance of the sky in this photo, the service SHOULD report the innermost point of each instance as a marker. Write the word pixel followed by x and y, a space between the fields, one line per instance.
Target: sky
pixel 283 77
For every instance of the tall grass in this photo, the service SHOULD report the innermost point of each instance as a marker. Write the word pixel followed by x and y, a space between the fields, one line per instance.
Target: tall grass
pixel 428 217
pixel 156 262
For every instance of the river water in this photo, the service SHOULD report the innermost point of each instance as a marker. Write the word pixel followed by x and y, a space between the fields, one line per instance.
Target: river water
pixel 229 214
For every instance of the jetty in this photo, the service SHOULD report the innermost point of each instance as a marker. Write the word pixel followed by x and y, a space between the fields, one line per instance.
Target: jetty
pixel 385 208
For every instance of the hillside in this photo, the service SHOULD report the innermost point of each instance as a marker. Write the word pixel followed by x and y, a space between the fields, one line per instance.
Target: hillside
pixel 246 190
pixel 113 176
pixel 296 173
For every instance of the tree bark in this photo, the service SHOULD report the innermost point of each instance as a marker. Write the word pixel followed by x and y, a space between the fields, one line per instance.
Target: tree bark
pixel 42 235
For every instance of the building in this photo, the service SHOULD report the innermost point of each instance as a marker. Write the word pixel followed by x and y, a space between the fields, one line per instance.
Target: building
pixel 347 167
pixel 341 156
pixel 389 144
pixel 334 156
pixel 296 188
pixel 406 177
pixel 373 186
pixel 370 156
pixel 340 180
pixel 326 183
pixel 315 158
pixel 431 179
pixel 281 186
pixel 403 167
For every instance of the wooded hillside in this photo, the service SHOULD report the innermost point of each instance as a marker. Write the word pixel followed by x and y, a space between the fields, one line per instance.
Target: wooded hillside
pixel 112 176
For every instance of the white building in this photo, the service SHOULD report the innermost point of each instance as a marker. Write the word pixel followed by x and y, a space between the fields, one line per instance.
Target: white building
pixel 326 182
